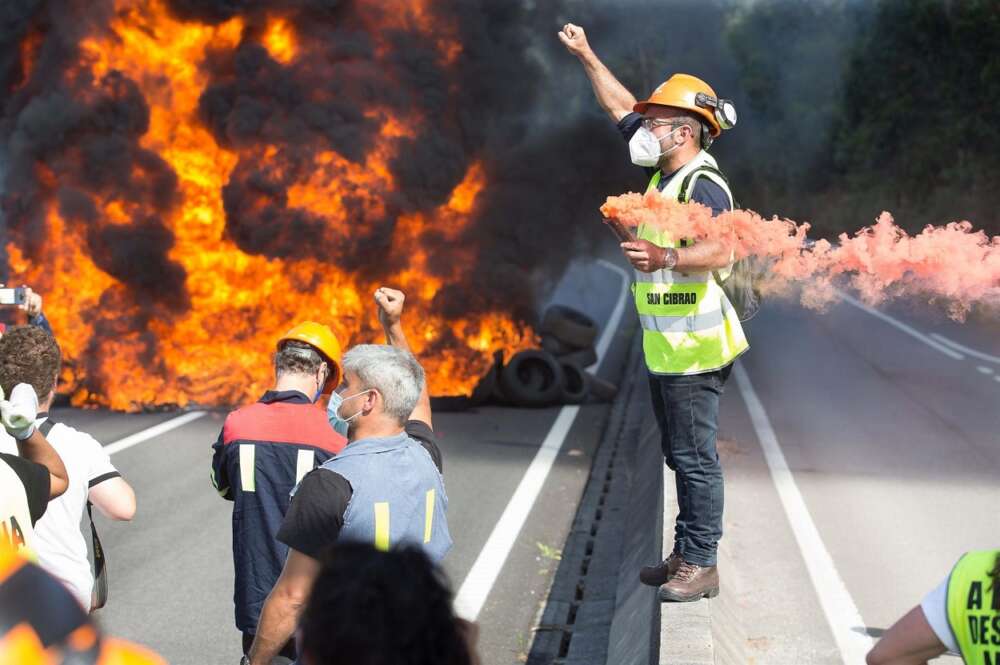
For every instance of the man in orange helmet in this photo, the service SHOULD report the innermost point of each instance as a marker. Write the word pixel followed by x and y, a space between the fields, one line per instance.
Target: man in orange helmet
pixel 691 332
pixel 263 451
pixel 42 623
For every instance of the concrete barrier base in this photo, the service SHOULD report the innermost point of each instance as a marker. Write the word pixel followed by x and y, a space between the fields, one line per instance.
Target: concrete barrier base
pixel 709 631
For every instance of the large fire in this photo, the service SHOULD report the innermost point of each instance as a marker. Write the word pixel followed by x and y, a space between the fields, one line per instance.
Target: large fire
pixel 216 347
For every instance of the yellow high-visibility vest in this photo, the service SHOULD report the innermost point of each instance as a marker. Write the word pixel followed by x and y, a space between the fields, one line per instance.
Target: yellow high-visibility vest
pixel 974 608
pixel 688 323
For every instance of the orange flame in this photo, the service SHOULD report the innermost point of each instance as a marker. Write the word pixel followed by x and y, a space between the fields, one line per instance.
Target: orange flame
pixel 280 41
pixel 219 350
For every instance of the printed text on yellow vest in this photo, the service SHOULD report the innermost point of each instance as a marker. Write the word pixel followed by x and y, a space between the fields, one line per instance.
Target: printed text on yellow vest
pixel 974 608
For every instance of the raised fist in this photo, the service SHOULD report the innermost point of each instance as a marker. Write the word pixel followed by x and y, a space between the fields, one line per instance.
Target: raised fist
pixel 574 39
pixel 390 305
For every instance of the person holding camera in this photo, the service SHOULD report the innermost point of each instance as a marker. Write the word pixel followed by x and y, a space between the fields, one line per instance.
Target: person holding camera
pixel 27 301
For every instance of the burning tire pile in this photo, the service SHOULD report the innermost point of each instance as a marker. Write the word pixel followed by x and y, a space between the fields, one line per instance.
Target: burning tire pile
pixel 554 374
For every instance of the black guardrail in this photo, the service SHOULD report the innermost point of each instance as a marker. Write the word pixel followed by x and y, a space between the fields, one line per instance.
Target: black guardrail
pixel 597 611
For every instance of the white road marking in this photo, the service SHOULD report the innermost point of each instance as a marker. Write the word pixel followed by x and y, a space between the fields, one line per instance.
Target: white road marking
pixel 152 432
pixel 902 326
pixel 972 352
pixel 983 369
pixel 484 572
pixel 842 614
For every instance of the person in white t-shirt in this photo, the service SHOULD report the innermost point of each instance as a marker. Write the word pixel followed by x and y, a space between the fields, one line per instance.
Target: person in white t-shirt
pixel 31 355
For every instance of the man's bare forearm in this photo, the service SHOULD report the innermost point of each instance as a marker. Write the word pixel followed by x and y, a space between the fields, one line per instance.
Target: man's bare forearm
pixel 704 255
pixel 394 336
pixel 37 449
pixel 613 97
pixel 276 627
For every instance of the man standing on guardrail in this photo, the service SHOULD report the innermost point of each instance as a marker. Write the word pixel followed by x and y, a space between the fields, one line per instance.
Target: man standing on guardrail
pixel 691 333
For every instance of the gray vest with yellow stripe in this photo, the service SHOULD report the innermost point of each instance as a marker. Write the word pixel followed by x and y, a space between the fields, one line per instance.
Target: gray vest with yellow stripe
pixel 688 323
pixel 398 495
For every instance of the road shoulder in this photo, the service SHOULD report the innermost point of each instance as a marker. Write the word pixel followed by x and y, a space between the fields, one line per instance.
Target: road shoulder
pixel 767 611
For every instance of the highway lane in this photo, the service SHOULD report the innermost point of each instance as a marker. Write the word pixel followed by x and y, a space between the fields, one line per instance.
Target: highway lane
pixel 892 441
pixel 171 570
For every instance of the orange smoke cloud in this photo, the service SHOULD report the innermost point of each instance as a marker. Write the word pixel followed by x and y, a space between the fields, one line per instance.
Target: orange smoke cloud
pixel 954 262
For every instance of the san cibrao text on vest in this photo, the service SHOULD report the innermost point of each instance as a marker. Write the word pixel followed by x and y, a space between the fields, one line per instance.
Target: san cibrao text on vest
pixel 671 298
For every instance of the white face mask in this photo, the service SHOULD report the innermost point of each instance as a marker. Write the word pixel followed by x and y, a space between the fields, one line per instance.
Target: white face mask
pixel 340 423
pixel 644 147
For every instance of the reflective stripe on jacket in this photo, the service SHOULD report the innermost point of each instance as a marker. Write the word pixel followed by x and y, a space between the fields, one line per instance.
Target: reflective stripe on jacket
pixel 398 495
pixel 262 453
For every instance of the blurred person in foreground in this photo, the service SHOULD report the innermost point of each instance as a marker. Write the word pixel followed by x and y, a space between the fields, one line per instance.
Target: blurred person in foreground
pixel 41 623
pixel 960 616
pixel 30 355
pixel 264 449
pixel 384 489
pixel 370 607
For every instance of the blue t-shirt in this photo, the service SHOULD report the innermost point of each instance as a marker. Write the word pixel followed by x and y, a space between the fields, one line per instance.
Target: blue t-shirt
pixel 705 191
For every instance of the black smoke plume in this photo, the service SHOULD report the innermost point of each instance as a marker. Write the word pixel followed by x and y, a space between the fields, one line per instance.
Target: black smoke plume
pixel 74 142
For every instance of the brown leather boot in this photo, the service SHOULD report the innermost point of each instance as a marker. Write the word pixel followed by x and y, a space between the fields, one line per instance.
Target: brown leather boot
pixel 661 572
pixel 691 582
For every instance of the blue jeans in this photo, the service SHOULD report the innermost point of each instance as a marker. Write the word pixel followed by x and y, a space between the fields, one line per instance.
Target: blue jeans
pixel 687 411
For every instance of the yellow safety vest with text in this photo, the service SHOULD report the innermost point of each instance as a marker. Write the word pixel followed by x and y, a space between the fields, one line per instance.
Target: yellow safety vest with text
pixel 974 608
pixel 688 323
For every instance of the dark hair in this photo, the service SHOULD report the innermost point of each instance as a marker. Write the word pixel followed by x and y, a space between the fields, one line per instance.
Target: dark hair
pixel 29 355
pixel 369 607
pixel 297 358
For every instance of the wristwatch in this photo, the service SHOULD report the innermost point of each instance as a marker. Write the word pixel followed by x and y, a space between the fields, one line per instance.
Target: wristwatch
pixel 669 258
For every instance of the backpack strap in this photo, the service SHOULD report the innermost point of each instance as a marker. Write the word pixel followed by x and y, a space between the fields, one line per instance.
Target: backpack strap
pixel 683 195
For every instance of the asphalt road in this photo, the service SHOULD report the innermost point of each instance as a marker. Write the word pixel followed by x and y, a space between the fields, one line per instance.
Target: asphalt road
pixel 171 572
pixel 892 436
pixel 889 427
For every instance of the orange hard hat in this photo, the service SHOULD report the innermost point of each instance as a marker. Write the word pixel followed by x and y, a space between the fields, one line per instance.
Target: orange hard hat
pixel 42 623
pixel 322 339
pixel 682 91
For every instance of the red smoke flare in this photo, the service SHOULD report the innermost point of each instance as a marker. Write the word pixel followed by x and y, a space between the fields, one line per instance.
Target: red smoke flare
pixel 954 262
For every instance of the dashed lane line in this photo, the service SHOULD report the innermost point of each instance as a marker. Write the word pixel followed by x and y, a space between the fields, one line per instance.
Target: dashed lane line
pixel 152 432
pixel 964 349
pixel 484 572
pixel 909 330
pixel 842 614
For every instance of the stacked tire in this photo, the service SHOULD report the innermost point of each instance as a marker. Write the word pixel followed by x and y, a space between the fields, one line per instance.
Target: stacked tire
pixel 556 372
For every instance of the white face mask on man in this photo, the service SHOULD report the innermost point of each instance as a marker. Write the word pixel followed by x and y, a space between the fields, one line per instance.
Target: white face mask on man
pixel 644 146
pixel 339 422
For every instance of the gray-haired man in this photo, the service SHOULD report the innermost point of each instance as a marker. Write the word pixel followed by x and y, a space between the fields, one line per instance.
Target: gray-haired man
pixel 385 487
